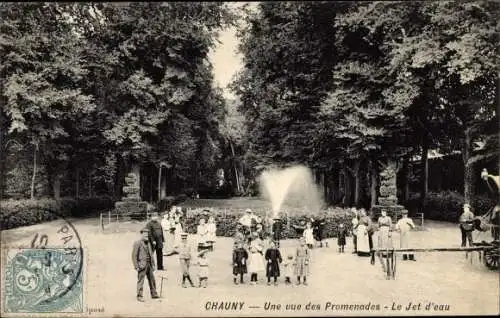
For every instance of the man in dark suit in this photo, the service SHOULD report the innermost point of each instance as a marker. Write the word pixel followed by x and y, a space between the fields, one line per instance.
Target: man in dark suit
pixel 142 258
pixel 156 239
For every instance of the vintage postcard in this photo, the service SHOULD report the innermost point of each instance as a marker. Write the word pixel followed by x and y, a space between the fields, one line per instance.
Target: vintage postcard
pixel 249 159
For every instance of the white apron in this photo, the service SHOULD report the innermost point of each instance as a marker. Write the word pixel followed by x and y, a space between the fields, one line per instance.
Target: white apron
pixel 363 245
pixel 404 227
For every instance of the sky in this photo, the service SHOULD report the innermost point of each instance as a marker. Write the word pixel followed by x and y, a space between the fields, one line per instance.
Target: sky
pixel 225 60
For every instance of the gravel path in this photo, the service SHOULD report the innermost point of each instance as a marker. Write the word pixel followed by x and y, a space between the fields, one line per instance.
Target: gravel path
pixel 447 280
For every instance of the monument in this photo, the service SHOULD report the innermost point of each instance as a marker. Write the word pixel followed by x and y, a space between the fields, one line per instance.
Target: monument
pixel 388 193
pixel 131 204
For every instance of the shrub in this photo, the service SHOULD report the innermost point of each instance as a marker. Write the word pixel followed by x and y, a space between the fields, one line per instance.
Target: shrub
pixel 168 202
pixel 482 204
pixel 16 213
pixel 92 206
pixel 448 205
pixel 226 223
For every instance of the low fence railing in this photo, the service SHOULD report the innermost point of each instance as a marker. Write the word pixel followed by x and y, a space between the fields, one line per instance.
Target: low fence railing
pixel 110 217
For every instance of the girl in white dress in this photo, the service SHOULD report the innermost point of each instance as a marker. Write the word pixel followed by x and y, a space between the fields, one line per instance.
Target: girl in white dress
pixel 165 225
pixel 201 232
pixel 211 232
pixel 308 235
pixel 256 259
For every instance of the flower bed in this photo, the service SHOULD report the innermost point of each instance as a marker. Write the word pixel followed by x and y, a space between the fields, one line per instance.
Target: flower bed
pixel 227 219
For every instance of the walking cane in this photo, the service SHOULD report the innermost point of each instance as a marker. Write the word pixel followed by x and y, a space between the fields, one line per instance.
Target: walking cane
pixel 161 285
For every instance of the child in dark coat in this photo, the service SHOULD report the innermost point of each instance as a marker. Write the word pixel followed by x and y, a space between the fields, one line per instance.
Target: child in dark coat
pixel 277 229
pixel 273 258
pixel 341 235
pixel 240 257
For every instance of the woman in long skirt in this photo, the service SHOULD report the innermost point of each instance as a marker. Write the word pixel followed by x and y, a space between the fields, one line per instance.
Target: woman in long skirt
pixel 384 225
pixel 363 248
pixel 165 225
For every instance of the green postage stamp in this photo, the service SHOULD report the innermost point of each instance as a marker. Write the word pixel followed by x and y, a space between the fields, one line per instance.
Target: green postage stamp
pixel 43 280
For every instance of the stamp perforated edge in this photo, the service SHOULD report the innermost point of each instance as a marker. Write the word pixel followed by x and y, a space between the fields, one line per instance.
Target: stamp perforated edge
pixel 3 265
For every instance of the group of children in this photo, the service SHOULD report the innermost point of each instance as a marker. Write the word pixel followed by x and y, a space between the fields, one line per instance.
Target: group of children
pixel 171 224
pixel 206 233
pixel 256 259
pixel 255 251
pixel 185 251
pixel 313 234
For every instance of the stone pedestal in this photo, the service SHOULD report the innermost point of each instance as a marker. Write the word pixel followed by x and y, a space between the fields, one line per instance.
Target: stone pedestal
pixel 388 190
pixel 131 203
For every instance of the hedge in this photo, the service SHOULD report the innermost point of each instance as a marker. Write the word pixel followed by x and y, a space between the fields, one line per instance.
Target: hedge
pixel 448 205
pixel 226 222
pixel 16 213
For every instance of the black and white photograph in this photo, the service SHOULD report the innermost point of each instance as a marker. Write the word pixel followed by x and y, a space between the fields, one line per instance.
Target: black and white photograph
pixel 249 159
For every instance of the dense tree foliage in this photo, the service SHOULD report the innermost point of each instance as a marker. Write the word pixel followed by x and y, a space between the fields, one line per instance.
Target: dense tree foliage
pixel 91 91
pixel 345 86
pixel 99 88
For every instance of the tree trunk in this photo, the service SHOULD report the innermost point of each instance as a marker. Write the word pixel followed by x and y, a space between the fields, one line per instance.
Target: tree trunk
pixel 163 186
pixel 235 167
pixel 151 179
pixel 325 185
pixel 357 183
pixel 56 186
pixel 406 179
pixel 347 188
pixel 340 186
pixel 90 184
pixel 468 168
pixel 142 185
pixel 77 185
pixel 332 182
pixel 33 177
pixel 424 179
pixel 159 184
pixel 374 182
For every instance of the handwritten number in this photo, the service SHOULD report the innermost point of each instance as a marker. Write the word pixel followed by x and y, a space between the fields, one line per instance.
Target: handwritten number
pixel 44 239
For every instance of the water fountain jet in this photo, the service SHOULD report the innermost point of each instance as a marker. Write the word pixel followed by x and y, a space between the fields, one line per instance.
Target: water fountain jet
pixel 293 185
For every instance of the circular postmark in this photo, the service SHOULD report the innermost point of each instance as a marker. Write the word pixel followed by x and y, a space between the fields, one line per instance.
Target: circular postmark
pixel 45 272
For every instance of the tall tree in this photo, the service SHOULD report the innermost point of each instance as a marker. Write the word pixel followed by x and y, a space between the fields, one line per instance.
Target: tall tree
pixel 41 80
